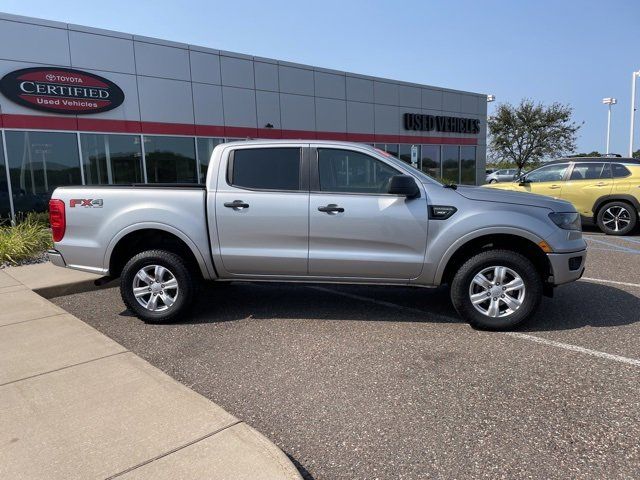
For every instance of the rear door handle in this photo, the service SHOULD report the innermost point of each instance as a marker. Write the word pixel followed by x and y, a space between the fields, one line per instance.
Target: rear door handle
pixel 331 208
pixel 601 184
pixel 554 187
pixel 236 204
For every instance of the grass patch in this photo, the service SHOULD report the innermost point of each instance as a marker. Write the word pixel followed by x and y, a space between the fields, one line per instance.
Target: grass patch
pixel 29 238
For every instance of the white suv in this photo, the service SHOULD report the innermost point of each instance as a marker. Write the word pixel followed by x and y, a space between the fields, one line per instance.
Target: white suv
pixel 504 175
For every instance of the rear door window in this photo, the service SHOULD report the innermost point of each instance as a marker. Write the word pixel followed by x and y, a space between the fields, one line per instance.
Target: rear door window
pixel 590 171
pixel 265 168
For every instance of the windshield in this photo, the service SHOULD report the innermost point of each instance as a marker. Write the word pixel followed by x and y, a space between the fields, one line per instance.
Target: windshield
pixel 396 161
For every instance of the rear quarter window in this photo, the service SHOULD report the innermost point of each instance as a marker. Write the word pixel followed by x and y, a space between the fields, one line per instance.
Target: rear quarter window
pixel 620 171
pixel 265 168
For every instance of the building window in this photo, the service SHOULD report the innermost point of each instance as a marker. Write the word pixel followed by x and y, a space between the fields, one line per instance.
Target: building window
pixel 266 168
pixel 468 165
pixel 430 160
pixel 38 163
pixel 392 149
pixel 450 164
pixel 170 159
pixel 111 159
pixel 405 153
pixel 205 147
pixel 5 205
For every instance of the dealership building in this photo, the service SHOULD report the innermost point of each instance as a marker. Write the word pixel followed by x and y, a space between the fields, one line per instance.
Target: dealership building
pixel 80 105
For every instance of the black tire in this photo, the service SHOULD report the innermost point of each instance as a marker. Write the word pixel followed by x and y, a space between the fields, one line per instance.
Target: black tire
pixel 184 294
pixel 627 211
pixel 462 281
pixel 493 180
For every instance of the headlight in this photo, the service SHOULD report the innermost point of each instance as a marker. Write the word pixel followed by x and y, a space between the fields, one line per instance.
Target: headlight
pixel 566 221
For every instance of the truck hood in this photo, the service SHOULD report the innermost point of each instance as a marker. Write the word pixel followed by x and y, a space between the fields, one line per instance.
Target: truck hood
pixel 517 198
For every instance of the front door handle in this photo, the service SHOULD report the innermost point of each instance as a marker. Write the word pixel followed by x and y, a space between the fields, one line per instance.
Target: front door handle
pixel 331 208
pixel 601 184
pixel 554 187
pixel 236 204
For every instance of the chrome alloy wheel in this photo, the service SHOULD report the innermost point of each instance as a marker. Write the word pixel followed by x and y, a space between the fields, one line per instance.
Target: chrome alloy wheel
pixel 497 291
pixel 616 218
pixel 155 288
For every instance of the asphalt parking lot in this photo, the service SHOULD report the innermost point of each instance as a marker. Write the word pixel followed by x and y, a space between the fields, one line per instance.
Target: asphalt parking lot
pixel 377 382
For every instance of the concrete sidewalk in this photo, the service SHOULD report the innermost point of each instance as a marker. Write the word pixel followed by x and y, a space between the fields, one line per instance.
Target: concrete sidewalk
pixel 76 404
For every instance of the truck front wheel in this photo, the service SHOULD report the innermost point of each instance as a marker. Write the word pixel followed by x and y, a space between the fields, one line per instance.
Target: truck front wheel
pixel 496 289
pixel 157 286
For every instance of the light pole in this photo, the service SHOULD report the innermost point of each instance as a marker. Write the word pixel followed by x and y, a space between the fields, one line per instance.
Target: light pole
pixel 609 101
pixel 634 76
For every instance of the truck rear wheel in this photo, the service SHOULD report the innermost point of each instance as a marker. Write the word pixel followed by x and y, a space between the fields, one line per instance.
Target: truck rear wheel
pixel 496 290
pixel 157 286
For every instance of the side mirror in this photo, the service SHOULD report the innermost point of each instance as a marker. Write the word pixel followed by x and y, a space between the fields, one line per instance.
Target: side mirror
pixel 522 181
pixel 403 185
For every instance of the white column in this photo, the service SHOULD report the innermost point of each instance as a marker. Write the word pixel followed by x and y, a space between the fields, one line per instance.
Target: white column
pixel 634 75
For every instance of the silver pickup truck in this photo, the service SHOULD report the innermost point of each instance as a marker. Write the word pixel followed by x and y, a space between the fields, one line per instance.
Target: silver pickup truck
pixel 316 211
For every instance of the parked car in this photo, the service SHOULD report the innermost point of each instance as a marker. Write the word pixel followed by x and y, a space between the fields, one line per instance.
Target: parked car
pixel 330 212
pixel 504 175
pixel 604 190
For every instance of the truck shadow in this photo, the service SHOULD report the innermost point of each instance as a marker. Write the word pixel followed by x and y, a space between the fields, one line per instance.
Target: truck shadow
pixel 574 306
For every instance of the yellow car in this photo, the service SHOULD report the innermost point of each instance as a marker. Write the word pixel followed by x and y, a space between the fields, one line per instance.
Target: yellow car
pixel 604 190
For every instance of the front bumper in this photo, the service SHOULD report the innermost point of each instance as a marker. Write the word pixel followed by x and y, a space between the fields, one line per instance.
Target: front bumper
pixel 55 257
pixel 566 267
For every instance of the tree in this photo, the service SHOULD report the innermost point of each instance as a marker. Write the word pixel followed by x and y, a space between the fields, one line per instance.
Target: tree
pixel 530 132
pixel 592 154
pixel 636 154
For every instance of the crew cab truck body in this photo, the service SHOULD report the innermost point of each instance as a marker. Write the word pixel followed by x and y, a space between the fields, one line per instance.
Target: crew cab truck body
pixel 312 211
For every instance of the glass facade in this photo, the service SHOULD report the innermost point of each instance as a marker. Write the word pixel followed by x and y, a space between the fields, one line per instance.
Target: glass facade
pixel 468 165
pixel 170 159
pixel 450 164
pixel 205 147
pixel 40 161
pixel 111 159
pixel 405 153
pixel 430 160
pixel 5 202
pixel 392 148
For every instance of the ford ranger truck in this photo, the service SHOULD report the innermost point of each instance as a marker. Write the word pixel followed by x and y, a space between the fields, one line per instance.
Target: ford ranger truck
pixel 319 212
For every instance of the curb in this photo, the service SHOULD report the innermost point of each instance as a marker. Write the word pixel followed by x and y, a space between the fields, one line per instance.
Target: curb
pixel 186 445
pixel 74 287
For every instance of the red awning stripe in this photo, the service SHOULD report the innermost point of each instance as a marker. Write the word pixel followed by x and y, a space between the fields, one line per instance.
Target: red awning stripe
pixel 42 122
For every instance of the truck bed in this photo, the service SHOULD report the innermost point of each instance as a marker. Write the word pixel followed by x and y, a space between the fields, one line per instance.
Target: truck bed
pixel 98 216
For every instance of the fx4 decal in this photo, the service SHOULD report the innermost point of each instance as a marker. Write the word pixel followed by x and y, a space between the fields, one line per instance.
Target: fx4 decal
pixel 85 202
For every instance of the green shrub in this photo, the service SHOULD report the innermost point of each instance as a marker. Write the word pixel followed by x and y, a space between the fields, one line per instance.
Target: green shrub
pixel 36 217
pixel 27 239
pixel 41 218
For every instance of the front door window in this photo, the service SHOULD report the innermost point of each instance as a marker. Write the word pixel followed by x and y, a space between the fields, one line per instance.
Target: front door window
pixel 550 173
pixel 354 172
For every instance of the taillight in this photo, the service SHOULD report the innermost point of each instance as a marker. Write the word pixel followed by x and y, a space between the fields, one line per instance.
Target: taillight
pixel 57 219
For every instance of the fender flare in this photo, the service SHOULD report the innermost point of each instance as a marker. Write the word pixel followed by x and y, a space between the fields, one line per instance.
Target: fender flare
pixel 613 197
pixel 207 270
pixel 460 242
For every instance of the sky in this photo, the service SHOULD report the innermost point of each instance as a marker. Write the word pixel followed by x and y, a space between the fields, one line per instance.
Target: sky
pixel 570 51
